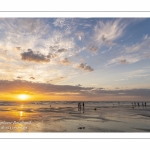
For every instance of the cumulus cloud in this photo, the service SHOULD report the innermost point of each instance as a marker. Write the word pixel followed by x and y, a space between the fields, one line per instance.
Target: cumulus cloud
pixel 107 32
pixel 61 50
pixel 34 56
pixel 50 55
pixel 65 61
pixel 85 67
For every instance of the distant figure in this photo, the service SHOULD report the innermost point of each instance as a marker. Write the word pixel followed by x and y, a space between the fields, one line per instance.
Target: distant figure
pixel 83 104
pixel 50 105
pixel 145 103
pixel 138 104
pixel 79 106
pixel 142 104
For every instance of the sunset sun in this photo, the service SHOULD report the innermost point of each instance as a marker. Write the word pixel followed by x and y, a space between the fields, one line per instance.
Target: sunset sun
pixel 23 96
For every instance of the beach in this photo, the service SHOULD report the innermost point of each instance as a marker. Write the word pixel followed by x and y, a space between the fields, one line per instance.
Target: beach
pixel 63 116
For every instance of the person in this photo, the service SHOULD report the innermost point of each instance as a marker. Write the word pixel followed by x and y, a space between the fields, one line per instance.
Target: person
pixel 78 105
pixel 138 104
pixel 83 104
pixel 145 103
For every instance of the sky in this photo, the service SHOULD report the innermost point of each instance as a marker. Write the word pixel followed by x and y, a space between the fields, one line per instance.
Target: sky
pixel 77 59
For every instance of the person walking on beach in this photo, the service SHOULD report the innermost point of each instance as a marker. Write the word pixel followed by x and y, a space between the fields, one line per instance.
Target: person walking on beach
pixel 145 103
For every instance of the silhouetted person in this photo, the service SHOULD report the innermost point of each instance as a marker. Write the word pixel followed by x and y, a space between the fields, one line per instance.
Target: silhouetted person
pixel 145 103
pixel 83 104
pixel 78 105
pixel 138 104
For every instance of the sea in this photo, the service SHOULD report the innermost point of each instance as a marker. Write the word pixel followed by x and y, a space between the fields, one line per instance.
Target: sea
pixel 69 116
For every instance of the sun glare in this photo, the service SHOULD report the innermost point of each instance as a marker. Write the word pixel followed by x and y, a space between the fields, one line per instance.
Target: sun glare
pixel 23 96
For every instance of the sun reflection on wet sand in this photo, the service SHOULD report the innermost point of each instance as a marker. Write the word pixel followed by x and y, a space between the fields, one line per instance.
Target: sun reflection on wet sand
pixel 21 113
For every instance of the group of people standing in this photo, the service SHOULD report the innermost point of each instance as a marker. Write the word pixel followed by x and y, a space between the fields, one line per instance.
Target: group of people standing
pixel 138 104
pixel 80 105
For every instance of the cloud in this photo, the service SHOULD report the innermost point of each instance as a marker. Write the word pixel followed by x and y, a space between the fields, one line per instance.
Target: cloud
pixel 138 73
pixel 85 67
pixel 125 59
pixel 17 48
pixel 60 22
pixel 134 53
pixel 142 46
pixel 121 79
pixel 93 48
pixel 32 78
pixel 65 61
pixel 107 32
pixel 80 35
pixel 34 56
pixel 50 55
pixel 61 50
pixel 51 89
pixel 57 79
pixel 79 85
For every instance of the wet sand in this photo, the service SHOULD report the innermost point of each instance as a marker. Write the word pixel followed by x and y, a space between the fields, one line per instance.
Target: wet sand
pixel 66 117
